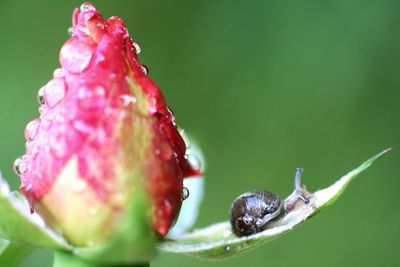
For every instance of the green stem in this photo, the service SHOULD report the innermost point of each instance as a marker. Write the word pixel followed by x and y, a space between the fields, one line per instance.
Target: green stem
pixel 65 259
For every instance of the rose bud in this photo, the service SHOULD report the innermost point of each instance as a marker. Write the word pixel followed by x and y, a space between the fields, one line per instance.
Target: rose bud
pixel 104 133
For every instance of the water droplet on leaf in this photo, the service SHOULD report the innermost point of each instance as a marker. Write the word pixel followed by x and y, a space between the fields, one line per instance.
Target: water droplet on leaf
pixel 227 248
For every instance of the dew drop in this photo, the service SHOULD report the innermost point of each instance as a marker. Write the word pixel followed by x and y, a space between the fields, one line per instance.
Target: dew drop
pixel 101 60
pixel 164 151
pixel 75 55
pixel 28 187
pixel 54 92
pixel 58 147
pixel 40 96
pixel 127 100
pixel 227 248
pixel 167 205
pixel 82 126
pixel 45 124
pixel 194 161
pixel 19 166
pixel 185 138
pixel 87 7
pixel 31 129
pixel 70 31
pixel 34 151
pixel 169 117
pixel 91 98
pixel 58 73
pixel 145 69
pixel 43 109
pixel 137 48
pixel 185 193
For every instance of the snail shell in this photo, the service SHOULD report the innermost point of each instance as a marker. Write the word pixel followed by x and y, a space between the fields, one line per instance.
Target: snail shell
pixel 251 211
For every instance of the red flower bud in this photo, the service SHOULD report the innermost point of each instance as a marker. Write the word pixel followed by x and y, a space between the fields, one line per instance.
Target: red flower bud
pixel 104 132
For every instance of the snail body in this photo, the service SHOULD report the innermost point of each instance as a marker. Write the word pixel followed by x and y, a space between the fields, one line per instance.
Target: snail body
pixel 251 211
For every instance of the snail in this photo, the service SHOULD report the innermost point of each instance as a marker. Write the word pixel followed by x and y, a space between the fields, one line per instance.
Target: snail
pixel 251 211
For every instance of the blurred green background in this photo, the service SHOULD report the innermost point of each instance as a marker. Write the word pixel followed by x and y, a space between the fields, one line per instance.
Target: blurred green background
pixel 264 87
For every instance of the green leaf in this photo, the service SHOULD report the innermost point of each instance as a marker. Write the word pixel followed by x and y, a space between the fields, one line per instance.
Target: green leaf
pixel 10 254
pixel 20 227
pixel 65 259
pixel 217 241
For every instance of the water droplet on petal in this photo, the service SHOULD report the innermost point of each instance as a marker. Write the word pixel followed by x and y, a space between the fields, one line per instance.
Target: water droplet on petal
pixel 70 31
pixel 58 147
pixel 31 129
pixel 40 96
pixel 145 69
pixel 45 124
pixel 194 161
pixel 19 166
pixel 137 47
pixel 75 55
pixel 167 206
pixel 34 151
pixel 101 60
pixel 169 117
pixel 185 193
pixel 83 127
pixel 54 91
pixel 87 7
pixel 185 138
pixel 28 187
pixel 127 100
pixel 58 73
pixel 91 98
pixel 164 151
